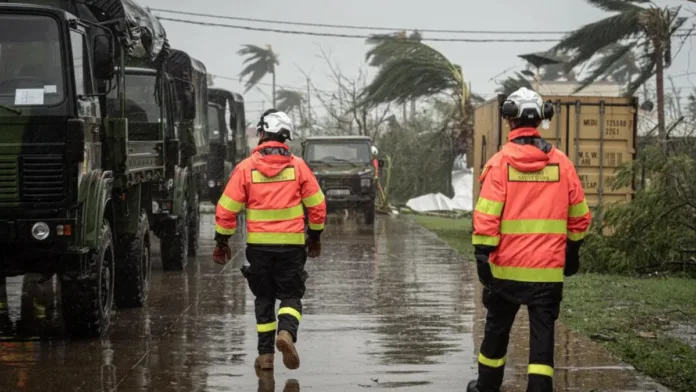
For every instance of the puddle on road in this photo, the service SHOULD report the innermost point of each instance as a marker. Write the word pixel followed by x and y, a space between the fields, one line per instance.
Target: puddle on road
pixel 392 308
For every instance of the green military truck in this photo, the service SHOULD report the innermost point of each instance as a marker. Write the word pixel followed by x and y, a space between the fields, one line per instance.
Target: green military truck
pixel 173 107
pixel 228 141
pixel 343 166
pixel 74 181
pixel 189 183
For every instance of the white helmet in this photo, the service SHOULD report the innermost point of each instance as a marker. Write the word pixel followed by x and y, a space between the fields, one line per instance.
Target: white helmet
pixel 277 122
pixel 526 103
pixel 374 150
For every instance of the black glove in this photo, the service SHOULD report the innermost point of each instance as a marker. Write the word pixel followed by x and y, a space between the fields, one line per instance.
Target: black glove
pixel 572 258
pixel 483 269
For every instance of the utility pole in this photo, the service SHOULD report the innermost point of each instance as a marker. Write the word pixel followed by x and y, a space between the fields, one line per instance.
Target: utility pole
pixel 309 108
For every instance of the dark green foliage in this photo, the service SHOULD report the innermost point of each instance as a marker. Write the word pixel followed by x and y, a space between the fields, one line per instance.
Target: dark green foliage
pixel 422 154
pixel 651 232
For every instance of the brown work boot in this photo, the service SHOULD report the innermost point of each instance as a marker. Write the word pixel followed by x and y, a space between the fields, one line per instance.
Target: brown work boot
pixel 263 363
pixel 284 344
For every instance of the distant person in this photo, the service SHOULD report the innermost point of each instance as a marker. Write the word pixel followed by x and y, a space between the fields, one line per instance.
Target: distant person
pixel 274 185
pixel 375 162
pixel 529 224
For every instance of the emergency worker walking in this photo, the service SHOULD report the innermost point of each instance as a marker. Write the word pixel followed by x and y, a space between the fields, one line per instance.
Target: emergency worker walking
pixel 375 162
pixel 529 224
pixel 274 185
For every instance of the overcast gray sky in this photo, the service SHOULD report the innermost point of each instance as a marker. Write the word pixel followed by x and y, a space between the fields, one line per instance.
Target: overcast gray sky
pixel 217 47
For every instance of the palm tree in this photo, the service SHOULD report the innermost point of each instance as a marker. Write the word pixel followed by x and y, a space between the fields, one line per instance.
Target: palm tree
pixel 260 62
pixel 413 70
pixel 290 101
pixel 632 26
pixel 416 70
pixel 554 72
pixel 622 70
pixel 376 59
pixel 513 83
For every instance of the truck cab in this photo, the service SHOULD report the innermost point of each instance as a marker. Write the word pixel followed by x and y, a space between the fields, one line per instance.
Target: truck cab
pixel 228 144
pixel 343 167
pixel 56 210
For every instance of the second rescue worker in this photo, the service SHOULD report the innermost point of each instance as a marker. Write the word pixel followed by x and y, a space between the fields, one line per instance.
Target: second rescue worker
pixel 274 185
pixel 529 224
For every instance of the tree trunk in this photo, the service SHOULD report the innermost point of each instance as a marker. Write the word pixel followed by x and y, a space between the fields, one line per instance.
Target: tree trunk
pixel 413 109
pixel 403 107
pixel 660 85
pixel 274 89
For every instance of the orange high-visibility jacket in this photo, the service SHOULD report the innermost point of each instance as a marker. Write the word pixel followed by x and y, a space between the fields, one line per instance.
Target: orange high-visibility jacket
pixel 273 185
pixel 531 203
pixel 375 163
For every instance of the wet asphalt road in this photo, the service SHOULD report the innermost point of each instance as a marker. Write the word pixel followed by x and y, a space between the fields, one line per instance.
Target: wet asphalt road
pixel 390 309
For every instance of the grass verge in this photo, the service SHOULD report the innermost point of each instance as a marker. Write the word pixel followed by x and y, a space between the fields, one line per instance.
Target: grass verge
pixel 644 322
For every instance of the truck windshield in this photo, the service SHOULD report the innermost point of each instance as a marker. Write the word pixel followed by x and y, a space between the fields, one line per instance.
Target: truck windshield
pixel 141 103
pixel 357 152
pixel 214 123
pixel 30 62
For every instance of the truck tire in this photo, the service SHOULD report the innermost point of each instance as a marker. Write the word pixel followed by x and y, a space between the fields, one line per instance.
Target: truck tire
pixel 370 214
pixel 133 270
pixel 87 298
pixel 194 226
pixel 174 244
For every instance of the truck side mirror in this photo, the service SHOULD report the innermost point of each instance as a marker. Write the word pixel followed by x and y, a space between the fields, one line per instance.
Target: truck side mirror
pixel 380 163
pixel 104 62
pixel 189 102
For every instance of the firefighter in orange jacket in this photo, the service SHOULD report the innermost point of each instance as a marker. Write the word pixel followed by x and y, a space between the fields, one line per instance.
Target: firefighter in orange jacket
pixel 274 185
pixel 529 224
pixel 375 162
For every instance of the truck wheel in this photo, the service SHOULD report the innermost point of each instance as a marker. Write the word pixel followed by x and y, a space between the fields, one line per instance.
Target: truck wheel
pixel 133 270
pixel 370 214
pixel 87 298
pixel 174 244
pixel 194 227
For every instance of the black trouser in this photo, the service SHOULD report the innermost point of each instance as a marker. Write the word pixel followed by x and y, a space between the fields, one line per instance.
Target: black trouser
pixel 499 320
pixel 276 272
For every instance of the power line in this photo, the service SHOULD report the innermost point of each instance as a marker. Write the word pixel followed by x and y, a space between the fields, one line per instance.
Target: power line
pixel 336 35
pixel 354 27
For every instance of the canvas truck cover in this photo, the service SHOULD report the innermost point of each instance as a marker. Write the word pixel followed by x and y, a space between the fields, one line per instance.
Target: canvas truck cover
pixel 141 34
pixel 234 107
pixel 584 128
pixel 191 79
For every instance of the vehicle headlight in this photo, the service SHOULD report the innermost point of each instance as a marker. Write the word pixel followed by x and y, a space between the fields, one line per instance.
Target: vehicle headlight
pixel 365 182
pixel 211 184
pixel 40 231
pixel 155 207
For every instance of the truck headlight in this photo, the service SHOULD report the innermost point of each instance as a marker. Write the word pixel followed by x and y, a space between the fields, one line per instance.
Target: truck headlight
pixel 365 182
pixel 211 184
pixel 155 207
pixel 40 231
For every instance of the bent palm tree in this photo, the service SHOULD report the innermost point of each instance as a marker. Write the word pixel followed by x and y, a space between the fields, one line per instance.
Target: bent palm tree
pixel 376 58
pixel 632 26
pixel 290 101
pixel 260 62
pixel 513 83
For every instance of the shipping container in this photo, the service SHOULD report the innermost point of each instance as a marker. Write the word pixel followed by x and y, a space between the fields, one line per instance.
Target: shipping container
pixel 585 128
